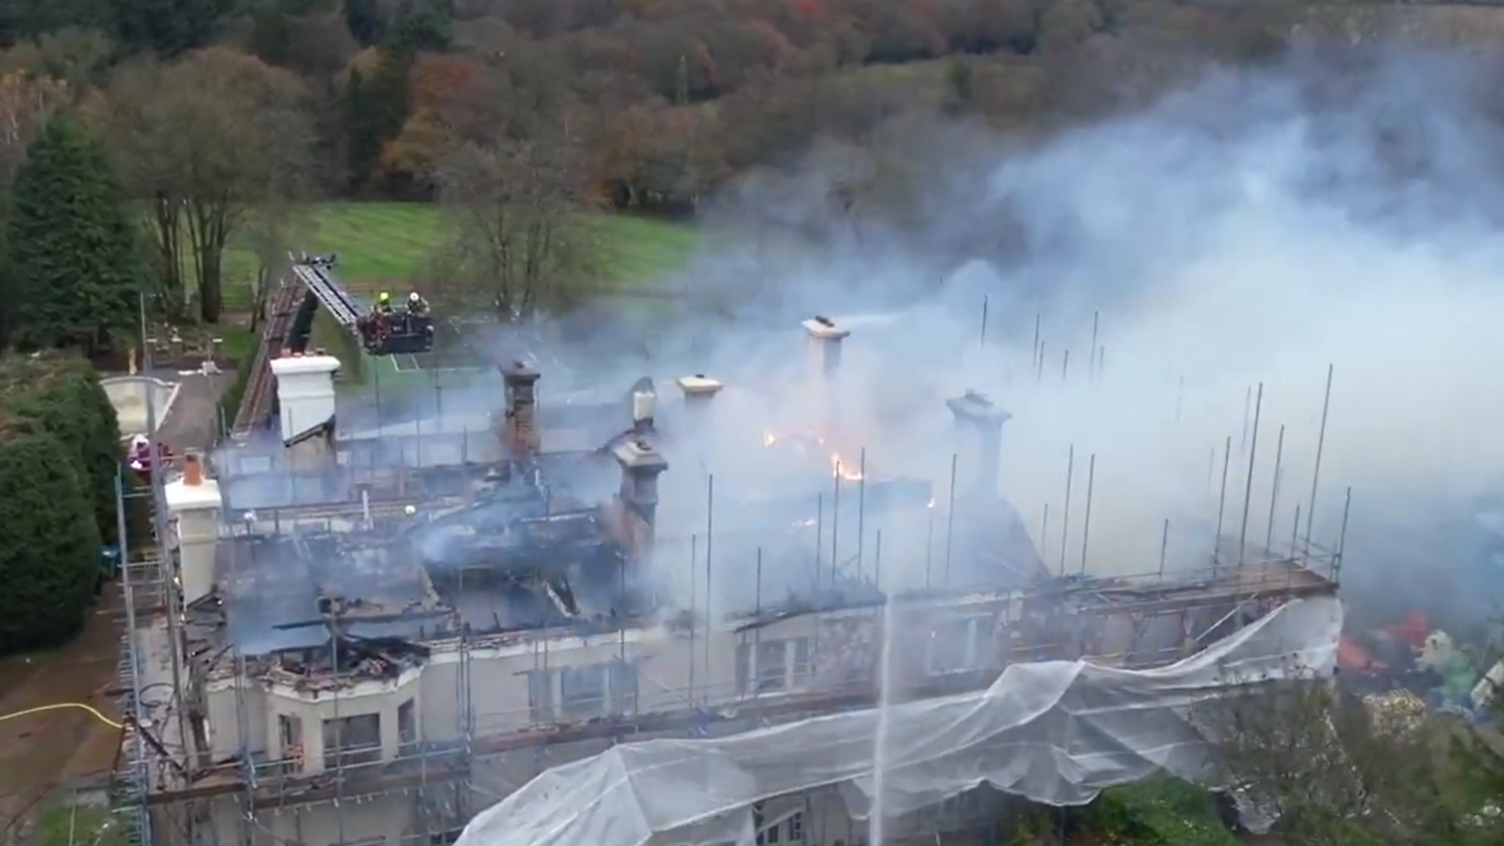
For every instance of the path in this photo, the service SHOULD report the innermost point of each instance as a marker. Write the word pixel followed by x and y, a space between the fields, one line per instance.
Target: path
pixel 39 753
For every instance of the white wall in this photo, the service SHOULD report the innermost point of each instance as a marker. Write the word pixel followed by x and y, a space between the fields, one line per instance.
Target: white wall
pixel 523 684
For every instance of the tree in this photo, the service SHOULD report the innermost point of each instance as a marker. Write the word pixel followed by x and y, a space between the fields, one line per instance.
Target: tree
pixel 363 19
pixel 375 105
pixel 73 262
pixel 168 27
pixel 206 141
pixel 419 26
pixel 60 395
pixel 73 56
pixel 438 88
pixel 1335 769
pixel 49 545
pixel 521 205
pixel 270 234
pixel 668 155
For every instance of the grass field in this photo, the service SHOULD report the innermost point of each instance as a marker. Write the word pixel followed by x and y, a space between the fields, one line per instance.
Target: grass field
pixel 389 245
pixel 397 242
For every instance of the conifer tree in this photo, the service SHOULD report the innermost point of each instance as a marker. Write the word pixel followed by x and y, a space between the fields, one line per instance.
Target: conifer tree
pixel 74 267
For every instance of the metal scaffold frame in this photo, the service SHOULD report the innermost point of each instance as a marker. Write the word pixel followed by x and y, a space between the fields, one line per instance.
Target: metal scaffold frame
pixel 433 773
pixel 1240 579
pixel 435 766
pixel 137 578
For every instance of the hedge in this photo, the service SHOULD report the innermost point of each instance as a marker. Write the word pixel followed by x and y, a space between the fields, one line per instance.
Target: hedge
pixel 49 543
pixel 60 394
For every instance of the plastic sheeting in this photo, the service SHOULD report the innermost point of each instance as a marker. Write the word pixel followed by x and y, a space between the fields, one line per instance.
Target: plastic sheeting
pixel 1056 732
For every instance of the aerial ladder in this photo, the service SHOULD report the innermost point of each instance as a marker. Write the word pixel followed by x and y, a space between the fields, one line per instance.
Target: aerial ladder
pixel 379 332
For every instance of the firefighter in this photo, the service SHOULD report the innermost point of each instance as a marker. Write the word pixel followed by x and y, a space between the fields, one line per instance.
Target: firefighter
pixel 383 303
pixel 416 305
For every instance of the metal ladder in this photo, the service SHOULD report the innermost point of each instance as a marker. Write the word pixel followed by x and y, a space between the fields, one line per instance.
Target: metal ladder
pixel 323 284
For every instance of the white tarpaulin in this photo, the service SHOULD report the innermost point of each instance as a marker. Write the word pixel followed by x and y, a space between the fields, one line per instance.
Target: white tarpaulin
pixel 1056 732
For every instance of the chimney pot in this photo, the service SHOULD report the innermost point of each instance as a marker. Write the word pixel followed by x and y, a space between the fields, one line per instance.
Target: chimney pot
pixel 193 470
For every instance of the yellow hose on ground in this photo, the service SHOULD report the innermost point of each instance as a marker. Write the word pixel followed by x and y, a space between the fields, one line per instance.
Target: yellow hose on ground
pixel 61 706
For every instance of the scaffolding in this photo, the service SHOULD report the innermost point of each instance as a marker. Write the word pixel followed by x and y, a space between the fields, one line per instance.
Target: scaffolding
pixel 1062 618
pixel 1119 620
pixel 1132 621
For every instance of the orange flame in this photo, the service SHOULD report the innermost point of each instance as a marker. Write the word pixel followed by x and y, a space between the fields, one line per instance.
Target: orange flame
pixel 840 468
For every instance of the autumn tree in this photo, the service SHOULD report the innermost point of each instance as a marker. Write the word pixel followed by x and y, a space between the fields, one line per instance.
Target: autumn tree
pixel 26 102
pixel 72 259
pixel 374 106
pixel 206 141
pixel 520 205
pixel 439 98
pixel 661 155
pixel 74 56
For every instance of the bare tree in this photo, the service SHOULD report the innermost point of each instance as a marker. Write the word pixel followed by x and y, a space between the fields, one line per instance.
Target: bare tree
pixel 207 141
pixel 269 233
pixel 524 230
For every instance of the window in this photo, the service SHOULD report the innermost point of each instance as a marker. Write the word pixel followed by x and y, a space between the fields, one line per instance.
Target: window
pixel 624 687
pixel 540 696
pixel 771 671
pixel 787 830
pixel 290 733
pixel 795 826
pixel 349 741
pixel 407 728
pixel 955 645
pixel 801 660
pixel 582 691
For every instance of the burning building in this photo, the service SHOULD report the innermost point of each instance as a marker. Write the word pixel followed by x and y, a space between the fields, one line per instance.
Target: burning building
pixel 370 632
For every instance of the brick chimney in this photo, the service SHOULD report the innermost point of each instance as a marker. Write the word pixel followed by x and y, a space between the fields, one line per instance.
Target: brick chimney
pixel 640 467
pixel 979 442
pixel 520 429
pixel 193 506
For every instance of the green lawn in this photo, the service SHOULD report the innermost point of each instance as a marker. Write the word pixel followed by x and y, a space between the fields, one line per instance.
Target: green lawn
pixel 388 244
pixel 396 242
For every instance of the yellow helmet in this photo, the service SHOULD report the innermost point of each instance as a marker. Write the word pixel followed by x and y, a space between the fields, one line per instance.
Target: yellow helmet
pixel 384 297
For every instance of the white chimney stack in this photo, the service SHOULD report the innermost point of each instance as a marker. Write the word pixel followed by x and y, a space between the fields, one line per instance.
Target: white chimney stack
pixel 698 389
pixel 305 393
pixel 193 504
pixel 825 339
pixel 979 441
pixel 644 405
